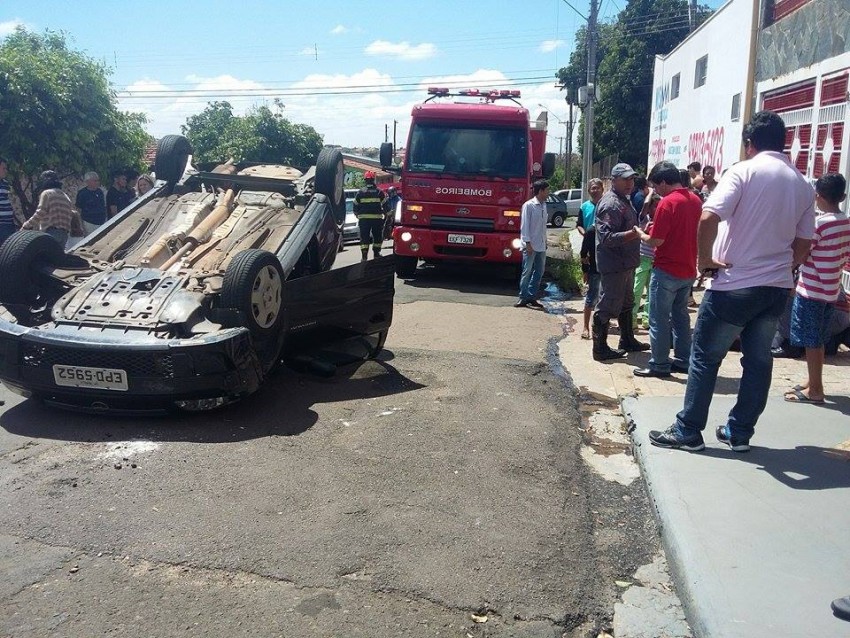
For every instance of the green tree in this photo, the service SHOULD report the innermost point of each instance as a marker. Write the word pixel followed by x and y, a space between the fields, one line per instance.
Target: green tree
pixel 625 55
pixel 57 111
pixel 262 135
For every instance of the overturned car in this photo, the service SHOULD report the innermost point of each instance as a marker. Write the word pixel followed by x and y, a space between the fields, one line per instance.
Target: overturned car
pixel 193 294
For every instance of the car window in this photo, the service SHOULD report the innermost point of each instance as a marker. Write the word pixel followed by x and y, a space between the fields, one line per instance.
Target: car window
pixel 575 194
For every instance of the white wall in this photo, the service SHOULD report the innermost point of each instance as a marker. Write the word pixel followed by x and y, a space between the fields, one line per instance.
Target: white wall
pixel 697 125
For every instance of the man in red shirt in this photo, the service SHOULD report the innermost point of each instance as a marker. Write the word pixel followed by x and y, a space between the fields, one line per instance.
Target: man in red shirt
pixel 673 233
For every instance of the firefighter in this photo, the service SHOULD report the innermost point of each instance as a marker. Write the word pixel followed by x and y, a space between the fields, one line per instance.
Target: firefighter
pixel 370 206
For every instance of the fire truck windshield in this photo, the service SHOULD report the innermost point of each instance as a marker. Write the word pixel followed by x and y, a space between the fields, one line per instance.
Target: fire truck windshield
pixel 500 152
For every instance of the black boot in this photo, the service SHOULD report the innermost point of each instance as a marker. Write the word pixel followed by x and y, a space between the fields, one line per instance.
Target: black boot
pixel 627 334
pixel 601 351
pixel 364 255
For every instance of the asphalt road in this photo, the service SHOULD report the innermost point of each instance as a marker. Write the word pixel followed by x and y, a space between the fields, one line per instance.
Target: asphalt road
pixel 433 492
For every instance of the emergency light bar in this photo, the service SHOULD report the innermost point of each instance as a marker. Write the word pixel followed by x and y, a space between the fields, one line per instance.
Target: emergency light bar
pixel 492 94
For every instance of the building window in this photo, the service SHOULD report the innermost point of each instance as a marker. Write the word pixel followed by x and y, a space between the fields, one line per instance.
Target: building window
pixel 674 87
pixel 736 107
pixel 701 71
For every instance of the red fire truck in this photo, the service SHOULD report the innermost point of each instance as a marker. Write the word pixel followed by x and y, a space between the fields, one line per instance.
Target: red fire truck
pixel 467 171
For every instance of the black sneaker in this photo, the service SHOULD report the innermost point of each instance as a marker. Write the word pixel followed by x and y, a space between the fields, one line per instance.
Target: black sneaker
pixel 670 438
pixel 522 303
pixel 533 303
pixel 736 445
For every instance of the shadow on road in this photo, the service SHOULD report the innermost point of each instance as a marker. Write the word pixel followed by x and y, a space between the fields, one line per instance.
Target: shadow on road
pixel 282 407
pixel 467 278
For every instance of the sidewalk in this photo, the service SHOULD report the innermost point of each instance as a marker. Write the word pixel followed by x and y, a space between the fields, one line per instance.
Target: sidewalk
pixel 758 543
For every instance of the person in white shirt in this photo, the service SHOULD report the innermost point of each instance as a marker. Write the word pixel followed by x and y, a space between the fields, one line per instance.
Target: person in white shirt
pixel 532 234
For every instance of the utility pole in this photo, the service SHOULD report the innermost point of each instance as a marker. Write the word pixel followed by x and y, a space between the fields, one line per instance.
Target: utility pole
pixel 571 99
pixel 386 133
pixel 592 37
pixel 395 127
pixel 692 15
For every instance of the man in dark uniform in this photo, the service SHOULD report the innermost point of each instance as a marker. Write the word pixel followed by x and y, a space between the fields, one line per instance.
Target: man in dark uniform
pixel 617 256
pixel 370 206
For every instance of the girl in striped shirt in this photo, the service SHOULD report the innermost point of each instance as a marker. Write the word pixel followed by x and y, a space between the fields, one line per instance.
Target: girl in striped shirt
pixel 819 284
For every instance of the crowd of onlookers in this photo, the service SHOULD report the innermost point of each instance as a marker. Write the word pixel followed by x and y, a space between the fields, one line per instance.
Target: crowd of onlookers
pixel 771 247
pixel 63 219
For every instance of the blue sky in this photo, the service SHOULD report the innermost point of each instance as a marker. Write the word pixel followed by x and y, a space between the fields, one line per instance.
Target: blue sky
pixel 346 68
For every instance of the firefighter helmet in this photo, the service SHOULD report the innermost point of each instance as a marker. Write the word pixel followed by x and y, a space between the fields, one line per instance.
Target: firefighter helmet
pixel 369 175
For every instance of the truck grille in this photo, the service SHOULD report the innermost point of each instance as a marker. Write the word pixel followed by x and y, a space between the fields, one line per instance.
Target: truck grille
pixel 471 224
pixel 147 364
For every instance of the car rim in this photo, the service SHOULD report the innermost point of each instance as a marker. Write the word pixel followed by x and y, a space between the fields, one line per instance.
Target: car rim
pixel 265 297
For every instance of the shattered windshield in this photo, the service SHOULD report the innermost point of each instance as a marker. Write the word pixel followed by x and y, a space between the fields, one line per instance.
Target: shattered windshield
pixel 501 152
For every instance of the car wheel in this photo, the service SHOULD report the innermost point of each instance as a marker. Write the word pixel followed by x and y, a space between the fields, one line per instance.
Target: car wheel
pixel 557 220
pixel 405 267
pixel 172 156
pixel 330 180
pixel 21 256
pixel 253 284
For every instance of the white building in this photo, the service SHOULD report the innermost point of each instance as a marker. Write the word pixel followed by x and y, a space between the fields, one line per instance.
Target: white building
pixel 788 56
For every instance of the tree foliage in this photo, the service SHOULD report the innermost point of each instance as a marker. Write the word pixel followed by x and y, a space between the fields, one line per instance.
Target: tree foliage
pixel 625 62
pixel 262 135
pixel 57 111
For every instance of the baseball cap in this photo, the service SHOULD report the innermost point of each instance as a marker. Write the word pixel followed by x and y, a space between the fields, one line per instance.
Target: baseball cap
pixel 622 170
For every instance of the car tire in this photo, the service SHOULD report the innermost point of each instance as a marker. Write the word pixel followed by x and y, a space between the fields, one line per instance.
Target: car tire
pixel 330 180
pixel 405 267
pixel 557 220
pixel 172 156
pixel 21 255
pixel 253 285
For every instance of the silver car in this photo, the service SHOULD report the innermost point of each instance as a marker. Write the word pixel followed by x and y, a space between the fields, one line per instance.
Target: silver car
pixel 573 198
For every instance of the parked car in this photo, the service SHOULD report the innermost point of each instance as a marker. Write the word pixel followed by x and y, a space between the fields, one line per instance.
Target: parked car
pixel 573 197
pixel 557 210
pixel 350 227
pixel 193 294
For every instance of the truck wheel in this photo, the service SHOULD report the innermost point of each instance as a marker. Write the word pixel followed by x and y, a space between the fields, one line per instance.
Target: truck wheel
pixel 21 256
pixel 405 267
pixel 172 156
pixel 557 220
pixel 253 284
pixel 330 180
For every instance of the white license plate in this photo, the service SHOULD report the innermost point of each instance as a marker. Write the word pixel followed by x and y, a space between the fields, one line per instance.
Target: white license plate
pixel 461 239
pixel 99 378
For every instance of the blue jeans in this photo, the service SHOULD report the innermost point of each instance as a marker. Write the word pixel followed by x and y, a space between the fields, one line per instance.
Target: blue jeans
pixel 594 279
pixel 751 313
pixel 532 273
pixel 668 306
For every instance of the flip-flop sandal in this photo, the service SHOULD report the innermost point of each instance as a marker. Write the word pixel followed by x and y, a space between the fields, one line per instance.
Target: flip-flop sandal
pixel 799 397
pixel 798 388
pixel 585 335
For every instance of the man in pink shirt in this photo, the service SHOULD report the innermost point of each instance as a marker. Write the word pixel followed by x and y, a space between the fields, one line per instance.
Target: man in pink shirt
pixel 755 228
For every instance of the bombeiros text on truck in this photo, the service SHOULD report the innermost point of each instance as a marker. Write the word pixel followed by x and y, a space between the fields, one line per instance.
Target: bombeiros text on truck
pixel 467 171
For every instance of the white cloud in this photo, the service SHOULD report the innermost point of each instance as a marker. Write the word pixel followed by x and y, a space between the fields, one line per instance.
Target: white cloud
pixel 339 30
pixel 8 27
pixel 307 51
pixel 349 110
pixel 402 50
pixel 547 46
pixel 167 114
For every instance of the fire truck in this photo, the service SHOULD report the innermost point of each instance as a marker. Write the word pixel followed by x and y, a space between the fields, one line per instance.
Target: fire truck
pixel 466 173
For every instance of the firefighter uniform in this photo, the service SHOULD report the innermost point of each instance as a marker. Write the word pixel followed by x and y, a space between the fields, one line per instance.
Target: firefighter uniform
pixel 370 206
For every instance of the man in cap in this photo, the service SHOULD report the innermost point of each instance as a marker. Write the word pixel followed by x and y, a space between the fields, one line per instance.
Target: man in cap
pixel 91 203
pixel 370 206
pixel 617 256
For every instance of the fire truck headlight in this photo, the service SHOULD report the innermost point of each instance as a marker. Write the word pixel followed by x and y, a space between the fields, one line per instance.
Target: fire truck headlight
pixel 405 236
pixel 517 243
pixel 507 252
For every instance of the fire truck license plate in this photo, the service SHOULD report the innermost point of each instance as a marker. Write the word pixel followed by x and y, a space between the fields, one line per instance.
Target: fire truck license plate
pixel 461 239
